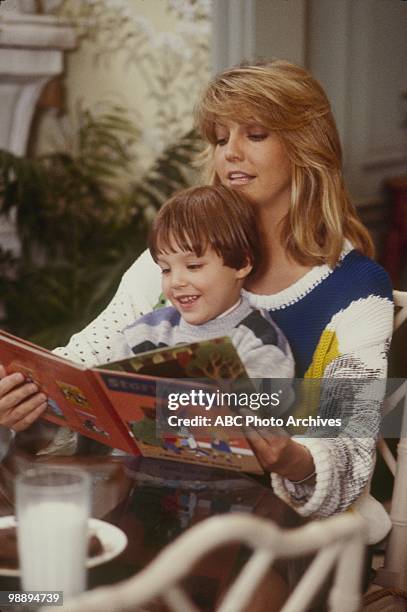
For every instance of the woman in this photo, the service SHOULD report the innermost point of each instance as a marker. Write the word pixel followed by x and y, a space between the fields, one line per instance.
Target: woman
pixel 271 135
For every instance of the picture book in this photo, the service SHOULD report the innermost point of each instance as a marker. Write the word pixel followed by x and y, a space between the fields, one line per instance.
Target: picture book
pixel 125 405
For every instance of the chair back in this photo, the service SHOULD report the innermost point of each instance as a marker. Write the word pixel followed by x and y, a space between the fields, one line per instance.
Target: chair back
pixel 400 394
pixel 338 543
pixel 394 572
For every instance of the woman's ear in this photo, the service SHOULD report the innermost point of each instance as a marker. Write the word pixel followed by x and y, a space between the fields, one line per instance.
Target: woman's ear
pixel 245 271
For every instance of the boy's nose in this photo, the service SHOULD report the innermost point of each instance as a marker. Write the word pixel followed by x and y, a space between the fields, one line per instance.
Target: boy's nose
pixel 178 279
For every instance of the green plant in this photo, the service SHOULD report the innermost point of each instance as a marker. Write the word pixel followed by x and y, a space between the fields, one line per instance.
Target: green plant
pixel 78 229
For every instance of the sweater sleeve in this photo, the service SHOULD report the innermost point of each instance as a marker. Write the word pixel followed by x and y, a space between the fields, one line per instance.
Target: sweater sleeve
pixel 263 348
pixel 102 341
pixel 266 354
pixel 344 464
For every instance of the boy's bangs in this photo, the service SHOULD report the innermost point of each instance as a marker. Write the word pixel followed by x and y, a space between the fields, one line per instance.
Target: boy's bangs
pixel 173 239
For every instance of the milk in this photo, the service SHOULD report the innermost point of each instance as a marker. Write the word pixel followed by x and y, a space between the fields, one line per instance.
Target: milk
pixel 52 545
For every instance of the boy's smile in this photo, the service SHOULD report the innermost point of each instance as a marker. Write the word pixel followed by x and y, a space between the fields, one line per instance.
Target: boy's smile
pixel 200 288
pixel 187 299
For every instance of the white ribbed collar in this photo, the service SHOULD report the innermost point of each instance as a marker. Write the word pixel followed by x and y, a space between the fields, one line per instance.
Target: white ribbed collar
pixel 297 290
pixel 231 309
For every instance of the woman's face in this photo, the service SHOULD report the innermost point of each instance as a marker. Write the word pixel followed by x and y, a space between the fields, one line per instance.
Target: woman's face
pixel 252 159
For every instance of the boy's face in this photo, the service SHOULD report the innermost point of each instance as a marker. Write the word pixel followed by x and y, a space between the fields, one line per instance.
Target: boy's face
pixel 200 288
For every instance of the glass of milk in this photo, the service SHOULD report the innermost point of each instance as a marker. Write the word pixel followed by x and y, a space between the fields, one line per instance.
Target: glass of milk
pixel 52 529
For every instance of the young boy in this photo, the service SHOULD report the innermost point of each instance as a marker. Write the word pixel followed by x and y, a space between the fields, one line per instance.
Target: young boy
pixel 206 242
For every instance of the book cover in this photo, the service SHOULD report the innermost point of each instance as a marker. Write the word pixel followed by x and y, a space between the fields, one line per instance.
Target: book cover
pixel 118 405
pixel 209 360
pixel 73 399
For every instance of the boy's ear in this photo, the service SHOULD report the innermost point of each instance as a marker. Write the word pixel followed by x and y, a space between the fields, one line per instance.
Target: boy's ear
pixel 245 271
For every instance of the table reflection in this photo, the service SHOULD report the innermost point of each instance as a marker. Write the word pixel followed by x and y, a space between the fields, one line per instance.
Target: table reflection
pixel 154 501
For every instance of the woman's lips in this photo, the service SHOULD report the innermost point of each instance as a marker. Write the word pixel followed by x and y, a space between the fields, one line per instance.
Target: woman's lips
pixel 239 178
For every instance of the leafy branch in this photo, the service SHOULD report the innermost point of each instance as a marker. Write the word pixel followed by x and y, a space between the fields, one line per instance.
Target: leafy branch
pixel 78 229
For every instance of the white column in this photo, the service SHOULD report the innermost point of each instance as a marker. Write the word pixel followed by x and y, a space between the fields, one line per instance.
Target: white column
pixel 249 29
pixel 233 33
pixel 31 53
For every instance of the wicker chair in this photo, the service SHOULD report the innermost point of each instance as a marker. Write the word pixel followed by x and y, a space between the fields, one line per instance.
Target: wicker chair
pixel 337 542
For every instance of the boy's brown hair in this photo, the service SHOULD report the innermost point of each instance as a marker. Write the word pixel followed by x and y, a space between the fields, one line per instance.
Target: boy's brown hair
pixel 211 216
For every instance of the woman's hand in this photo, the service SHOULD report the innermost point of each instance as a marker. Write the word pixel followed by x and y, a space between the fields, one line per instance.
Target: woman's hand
pixel 282 455
pixel 20 402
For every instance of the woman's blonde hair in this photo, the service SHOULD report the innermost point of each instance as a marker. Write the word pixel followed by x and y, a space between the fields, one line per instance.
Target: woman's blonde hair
pixel 286 99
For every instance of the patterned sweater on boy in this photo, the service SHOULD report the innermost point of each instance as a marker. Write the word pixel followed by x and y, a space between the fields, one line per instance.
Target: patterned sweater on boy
pixel 261 346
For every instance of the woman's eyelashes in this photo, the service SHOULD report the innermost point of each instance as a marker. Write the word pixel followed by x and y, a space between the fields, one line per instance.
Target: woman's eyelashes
pixel 258 137
pixel 220 141
pixel 254 136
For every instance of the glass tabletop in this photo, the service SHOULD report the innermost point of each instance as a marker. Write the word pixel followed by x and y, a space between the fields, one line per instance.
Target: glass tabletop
pixel 154 501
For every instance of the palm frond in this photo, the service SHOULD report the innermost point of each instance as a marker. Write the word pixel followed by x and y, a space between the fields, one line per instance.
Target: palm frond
pixel 78 230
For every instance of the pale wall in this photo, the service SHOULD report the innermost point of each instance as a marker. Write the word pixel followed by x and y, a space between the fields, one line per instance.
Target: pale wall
pixel 153 60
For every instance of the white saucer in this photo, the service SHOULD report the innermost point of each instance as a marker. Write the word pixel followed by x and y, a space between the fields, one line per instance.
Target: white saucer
pixel 113 541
